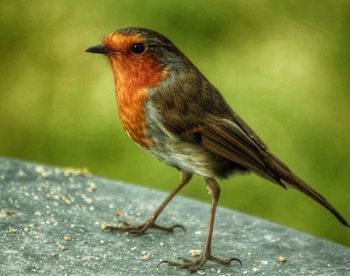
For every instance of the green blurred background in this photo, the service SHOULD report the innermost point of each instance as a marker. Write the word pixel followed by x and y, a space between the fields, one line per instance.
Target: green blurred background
pixel 283 66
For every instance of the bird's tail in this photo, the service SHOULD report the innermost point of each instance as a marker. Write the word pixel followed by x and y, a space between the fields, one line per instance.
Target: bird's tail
pixel 288 177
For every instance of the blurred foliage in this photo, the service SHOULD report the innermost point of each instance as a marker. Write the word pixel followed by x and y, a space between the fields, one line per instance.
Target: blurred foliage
pixel 283 65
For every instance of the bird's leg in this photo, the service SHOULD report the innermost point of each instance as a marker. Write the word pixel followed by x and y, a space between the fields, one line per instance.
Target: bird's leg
pixel 196 264
pixel 140 229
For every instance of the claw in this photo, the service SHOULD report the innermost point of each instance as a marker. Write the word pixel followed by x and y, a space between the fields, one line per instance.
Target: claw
pixel 223 261
pixel 184 260
pixel 235 259
pixel 197 264
pixel 162 262
pixel 167 229
pixel 140 229
pixel 179 226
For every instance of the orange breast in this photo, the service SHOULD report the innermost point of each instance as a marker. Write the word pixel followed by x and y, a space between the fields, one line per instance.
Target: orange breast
pixel 132 114
pixel 132 79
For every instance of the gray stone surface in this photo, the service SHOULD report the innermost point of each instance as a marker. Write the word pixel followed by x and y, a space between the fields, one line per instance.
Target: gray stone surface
pixel 50 223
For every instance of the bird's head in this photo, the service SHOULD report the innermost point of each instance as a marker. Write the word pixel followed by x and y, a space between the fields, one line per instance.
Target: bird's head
pixel 139 54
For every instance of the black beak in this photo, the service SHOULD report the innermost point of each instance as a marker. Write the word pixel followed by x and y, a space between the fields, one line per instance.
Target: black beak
pixel 98 49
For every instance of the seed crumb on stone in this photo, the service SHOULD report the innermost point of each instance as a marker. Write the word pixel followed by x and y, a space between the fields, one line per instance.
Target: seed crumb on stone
pixel 40 170
pixel 281 259
pixel 112 225
pixel 67 238
pixel 104 226
pixel 145 256
pixel 12 230
pixel 37 214
pixel 119 212
pixel 68 171
pixel 60 246
pixel 91 187
pixel 195 252
pixel 7 212
pixel 66 199
pixel 87 200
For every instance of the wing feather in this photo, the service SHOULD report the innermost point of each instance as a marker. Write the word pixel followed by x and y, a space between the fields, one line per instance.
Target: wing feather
pixel 231 143
pixel 200 115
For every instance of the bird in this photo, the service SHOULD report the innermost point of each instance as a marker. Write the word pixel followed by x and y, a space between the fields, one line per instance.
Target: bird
pixel 171 110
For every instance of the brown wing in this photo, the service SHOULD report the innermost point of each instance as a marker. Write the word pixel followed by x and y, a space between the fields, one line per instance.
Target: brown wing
pixel 227 139
pixel 205 118
pixel 198 113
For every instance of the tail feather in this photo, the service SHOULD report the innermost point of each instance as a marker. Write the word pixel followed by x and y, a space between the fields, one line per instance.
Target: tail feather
pixel 287 176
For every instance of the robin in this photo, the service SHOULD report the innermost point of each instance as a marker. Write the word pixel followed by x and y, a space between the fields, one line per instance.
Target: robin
pixel 172 111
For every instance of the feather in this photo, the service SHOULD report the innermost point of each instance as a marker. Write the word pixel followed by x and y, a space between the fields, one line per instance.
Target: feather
pixel 210 123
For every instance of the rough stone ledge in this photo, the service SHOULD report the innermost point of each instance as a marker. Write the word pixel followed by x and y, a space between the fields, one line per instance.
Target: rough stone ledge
pixel 50 223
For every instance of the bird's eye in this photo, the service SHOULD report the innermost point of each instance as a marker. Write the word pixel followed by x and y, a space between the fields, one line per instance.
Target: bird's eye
pixel 138 48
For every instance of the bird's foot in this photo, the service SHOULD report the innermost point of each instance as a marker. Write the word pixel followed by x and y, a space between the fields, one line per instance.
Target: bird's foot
pixel 140 229
pixel 197 264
